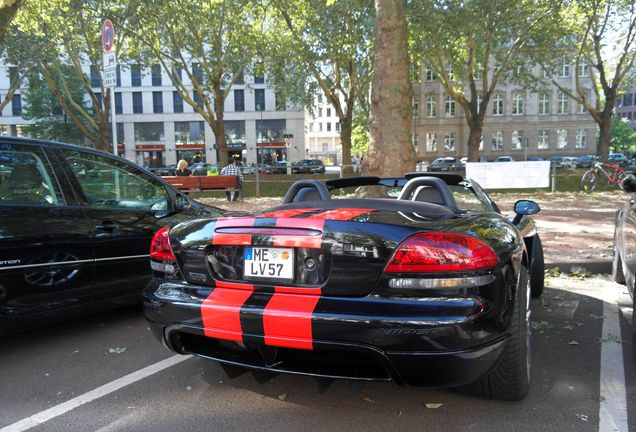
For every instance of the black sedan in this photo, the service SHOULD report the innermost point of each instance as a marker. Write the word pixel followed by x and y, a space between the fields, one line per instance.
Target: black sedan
pixel 308 166
pixel 430 288
pixel 76 230
pixel 624 262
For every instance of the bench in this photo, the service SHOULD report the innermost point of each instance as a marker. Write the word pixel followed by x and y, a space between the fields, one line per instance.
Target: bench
pixel 206 183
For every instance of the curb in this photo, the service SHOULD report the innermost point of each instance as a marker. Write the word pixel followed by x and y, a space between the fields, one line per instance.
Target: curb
pixel 593 266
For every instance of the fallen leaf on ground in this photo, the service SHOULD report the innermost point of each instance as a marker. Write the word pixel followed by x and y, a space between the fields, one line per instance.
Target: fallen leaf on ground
pixel 574 343
pixel 368 399
pixel 116 350
pixel 282 397
pixel 433 405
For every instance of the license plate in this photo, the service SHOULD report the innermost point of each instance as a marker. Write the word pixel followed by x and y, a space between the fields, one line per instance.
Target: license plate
pixel 269 263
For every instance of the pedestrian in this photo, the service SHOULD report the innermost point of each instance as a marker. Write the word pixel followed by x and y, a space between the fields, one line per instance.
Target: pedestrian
pixel 233 170
pixel 182 169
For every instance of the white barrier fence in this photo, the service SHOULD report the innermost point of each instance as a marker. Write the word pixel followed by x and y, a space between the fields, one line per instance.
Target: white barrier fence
pixel 510 175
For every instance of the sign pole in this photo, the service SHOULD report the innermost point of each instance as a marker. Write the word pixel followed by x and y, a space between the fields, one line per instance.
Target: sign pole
pixel 112 120
pixel 110 73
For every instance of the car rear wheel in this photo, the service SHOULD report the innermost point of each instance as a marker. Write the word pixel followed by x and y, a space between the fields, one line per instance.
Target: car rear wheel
pixel 537 268
pixel 509 379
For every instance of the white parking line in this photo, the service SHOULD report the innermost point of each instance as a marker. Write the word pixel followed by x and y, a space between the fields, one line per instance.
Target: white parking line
pixel 58 410
pixel 613 404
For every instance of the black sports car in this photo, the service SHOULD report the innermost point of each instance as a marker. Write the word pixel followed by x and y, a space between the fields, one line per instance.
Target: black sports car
pixel 427 285
pixel 624 263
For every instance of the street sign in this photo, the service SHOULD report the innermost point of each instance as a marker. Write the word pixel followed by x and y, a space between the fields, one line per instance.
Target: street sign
pixel 108 35
pixel 110 78
pixel 110 60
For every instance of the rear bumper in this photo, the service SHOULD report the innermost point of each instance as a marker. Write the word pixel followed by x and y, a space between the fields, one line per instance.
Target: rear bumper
pixel 420 342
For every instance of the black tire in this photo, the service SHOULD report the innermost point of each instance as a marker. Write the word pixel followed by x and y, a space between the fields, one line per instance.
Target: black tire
pixel 509 379
pixel 617 265
pixel 588 181
pixel 537 268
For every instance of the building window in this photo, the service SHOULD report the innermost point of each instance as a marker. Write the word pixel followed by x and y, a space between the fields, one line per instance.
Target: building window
pixel 235 132
pixel 497 140
pixel 120 133
pixel 281 100
pixel 337 126
pixel 543 140
pixel 449 142
pixel 95 76
pixel 431 142
pixel 189 132
pixel 450 73
pixel 430 76
pixel 415 106
pixel 16 105
pixel 328 126
pixel 196 97
pixel 479 74
pixel 328 112
pixel 177 102
pixel 155 71
pixel 239 100
pixel 480 99
pixel 562 138
pixel 581 138
pixel 259 99
pixel 135 75
pixel 118 104
pixel 497 105
pixel 197 73
pixel 176 74
pixel 320 112
pixel 149 132
pixel 259 74
pixel 157 102
pixel 270 130
pixel 563 103
pixel 449 107
pixel 517 104
pixel 565 69
pixel 431 107
pixel 320 127
pixel 138 105
pixel 583 69
pixel 99 105
pixel 517 140
pixel 627 99
pixel 414 139
pixel 118 73
pixel 544 103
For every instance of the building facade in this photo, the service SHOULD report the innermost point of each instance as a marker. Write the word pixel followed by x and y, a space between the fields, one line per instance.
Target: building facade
pixel 155 127
pixel 323 133
pixel 626 107
pixel 519 123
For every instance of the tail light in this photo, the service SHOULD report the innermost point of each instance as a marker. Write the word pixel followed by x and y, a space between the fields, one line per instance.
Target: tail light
pixel 441 252
pixel 160 248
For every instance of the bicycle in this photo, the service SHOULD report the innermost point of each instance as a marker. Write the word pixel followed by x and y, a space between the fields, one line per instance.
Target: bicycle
pixel 614 174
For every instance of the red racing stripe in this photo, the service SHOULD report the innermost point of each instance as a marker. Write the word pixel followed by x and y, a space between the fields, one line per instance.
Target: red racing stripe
pixel 297 241
pixel 220 312
pixel 236 222
pixel 317 224
pixel 232 239
pixel 342 214
pixel 287 319
pixel 287 213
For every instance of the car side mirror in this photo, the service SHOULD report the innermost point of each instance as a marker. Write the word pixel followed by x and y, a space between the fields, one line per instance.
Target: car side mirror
pixel 629 184
pixel 526 208
pixel 181 202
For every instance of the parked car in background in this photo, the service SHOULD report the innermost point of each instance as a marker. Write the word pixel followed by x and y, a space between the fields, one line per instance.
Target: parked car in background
pixel 279 167
pixel 569 161
pixel 203 169
pixel 623 264
pixel 618 158
pixel 423 166
pixel 586 161
pixel 556 161
pixel 534 159
pixel 76 230
pixel 445 164
pixel 308 166
pixel 163 171
pixel 504 159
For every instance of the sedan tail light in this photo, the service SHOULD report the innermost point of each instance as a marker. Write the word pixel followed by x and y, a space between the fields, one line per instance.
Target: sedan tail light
pixel 160 248
pixel 441 252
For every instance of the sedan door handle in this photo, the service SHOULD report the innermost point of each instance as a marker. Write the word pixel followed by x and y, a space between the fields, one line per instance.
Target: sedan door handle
pixel 107 226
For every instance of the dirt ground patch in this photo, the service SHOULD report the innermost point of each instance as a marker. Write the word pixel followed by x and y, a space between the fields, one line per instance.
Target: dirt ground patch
pixel 574 227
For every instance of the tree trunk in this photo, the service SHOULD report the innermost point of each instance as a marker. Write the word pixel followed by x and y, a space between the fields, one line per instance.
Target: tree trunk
pixel 346 127
pixel 390 150
pixel 474 137
pixel 218 127
pixel 605 124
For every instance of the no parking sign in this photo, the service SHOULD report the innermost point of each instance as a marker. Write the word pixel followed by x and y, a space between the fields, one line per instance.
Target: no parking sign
pixel 108 35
